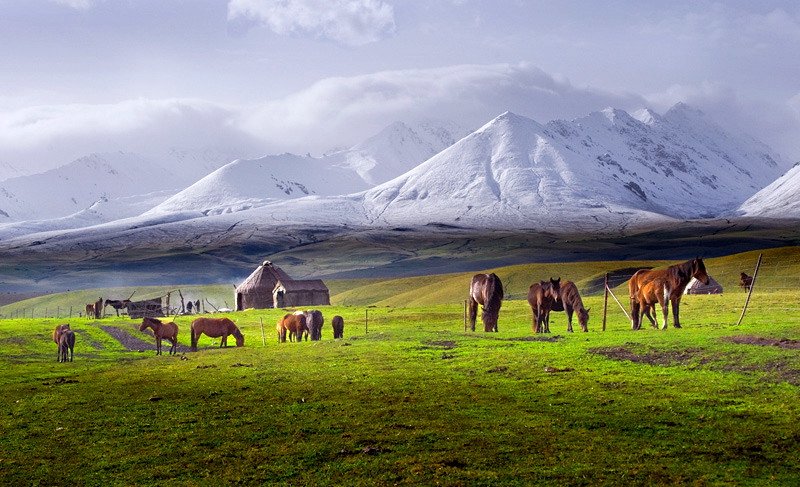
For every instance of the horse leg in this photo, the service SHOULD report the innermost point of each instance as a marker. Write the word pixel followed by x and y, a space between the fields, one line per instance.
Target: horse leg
pixel 223 342
pixel 675 304
pixel 568 309
pixel 473 313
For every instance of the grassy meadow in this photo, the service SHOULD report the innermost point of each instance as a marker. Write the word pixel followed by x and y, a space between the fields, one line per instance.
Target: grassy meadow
pixel 409 397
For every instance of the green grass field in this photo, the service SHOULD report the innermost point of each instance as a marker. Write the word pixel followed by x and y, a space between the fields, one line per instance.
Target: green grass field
pixel 410 398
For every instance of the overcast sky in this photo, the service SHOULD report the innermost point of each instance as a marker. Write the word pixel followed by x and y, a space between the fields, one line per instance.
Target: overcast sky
pixel 271 76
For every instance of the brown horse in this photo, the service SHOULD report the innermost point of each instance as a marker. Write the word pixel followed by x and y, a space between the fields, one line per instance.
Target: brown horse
pixel 338 327
pixel 485 290
pixel 294 324
pixel 66 345
pixel 745 281
pixel 542 296
pixel 215 327
pixel 569 300
pixel 90 310
pixel 168 330
pixel 648 294
pixel 59 330
pixel 672 281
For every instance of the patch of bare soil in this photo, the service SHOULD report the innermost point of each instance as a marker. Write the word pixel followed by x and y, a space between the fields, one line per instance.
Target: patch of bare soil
pixel 136 344
pixel 763 342
pixel 645 354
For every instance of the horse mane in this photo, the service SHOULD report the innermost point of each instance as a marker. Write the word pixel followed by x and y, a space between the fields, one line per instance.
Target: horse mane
pixel 493 294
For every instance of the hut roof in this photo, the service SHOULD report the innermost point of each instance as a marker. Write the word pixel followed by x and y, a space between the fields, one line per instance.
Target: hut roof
pixel 697 287
pixel 291 285
pixel 263 279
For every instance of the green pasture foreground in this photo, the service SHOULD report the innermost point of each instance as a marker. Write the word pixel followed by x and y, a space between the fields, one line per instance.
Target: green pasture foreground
pixel 410 398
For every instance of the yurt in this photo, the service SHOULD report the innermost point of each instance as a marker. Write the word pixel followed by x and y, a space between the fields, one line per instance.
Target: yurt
pixel 311 292
pixel 256 290
pixel 697 287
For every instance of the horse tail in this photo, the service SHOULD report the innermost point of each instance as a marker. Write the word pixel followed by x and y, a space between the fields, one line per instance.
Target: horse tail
pixel 193 335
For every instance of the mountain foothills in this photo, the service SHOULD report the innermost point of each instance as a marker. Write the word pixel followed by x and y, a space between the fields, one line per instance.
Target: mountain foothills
pixel 610 174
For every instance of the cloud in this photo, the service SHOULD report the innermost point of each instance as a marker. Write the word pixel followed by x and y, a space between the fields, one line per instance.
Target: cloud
pixel 348 22
pixel 338 111
pixel 76 4
pixel 43 137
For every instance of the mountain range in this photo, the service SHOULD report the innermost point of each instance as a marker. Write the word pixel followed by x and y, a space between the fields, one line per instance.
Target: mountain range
pixel 608 173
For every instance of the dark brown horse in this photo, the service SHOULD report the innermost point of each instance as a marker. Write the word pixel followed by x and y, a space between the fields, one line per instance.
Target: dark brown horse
pixel 569 300
pixel 168 331
pixel 294 324
pixel 338 327
pixel 314 322
pixel 672 281
pixel 542 296
pixel 745 281
pixel 59 330
pixel 485 290
pixel 90 310
pixel 117 304
pixel 66 345
pixel 215 327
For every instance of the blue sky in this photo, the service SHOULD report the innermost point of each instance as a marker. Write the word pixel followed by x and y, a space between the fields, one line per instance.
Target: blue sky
pixel 270 76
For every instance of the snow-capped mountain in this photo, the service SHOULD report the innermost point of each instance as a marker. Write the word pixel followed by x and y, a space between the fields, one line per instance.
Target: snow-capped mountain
pixel 245 184
pixel 780 199
pixel 107 186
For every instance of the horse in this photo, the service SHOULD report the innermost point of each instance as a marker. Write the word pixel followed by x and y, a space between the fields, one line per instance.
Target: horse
pixel 89 310
pixel 746 282
pixel 98 308
pixel 294 324
pixel 338 327
pixel 168 330
pixel 672 281
pixel 648 294
pixel 569 300
pixel 485 290
pixel 314 322
pixel 59 330
pixel 215 327
pixel 542 296
pixel 66 345
pixel 117 304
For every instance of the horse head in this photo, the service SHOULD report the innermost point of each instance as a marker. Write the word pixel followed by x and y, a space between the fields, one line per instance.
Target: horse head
pixel 555 288
pixel 239 337
pixel 699 270
pixel 583 318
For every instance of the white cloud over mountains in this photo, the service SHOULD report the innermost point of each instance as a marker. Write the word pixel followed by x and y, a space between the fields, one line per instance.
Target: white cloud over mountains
pixel 349 22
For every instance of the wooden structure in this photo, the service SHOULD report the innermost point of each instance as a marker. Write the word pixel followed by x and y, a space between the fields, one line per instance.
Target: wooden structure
pixel 290 292
pixel 147 308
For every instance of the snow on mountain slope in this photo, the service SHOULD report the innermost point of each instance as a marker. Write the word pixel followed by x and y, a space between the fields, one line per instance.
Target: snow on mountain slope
pixel 397 149
pixel 245 184
pixel 781 199
pixel 77 186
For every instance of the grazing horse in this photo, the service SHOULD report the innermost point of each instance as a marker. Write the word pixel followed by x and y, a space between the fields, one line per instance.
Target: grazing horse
pixel 168 330
pixel 746 282
pixel 215 327
pixel 338 327
pixel 542 296
pixel 485 290
pixel 314 322
pixel 117 304
pixel 66 345
pixel 671 283
pixel 59 330
pixel 294 324
pixel 569 300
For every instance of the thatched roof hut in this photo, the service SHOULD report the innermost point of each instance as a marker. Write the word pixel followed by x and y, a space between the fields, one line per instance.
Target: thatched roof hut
pixel 312 292
pixel 256 290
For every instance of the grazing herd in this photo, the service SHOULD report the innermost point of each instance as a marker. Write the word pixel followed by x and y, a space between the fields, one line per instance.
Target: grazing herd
pixel 647 288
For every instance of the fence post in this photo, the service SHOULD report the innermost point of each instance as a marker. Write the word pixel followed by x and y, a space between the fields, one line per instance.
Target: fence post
pixel 750 293
pixel 605 301
pixel 263 338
